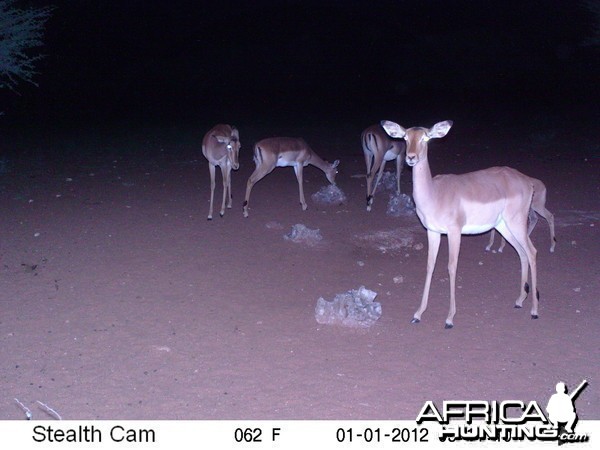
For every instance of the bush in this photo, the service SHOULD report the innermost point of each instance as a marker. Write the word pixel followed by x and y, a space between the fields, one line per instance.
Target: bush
pixel 21 30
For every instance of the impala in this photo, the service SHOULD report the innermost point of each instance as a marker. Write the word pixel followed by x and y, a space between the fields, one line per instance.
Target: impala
pixel 283 152
pixel 472 203
pixel 378 149
pixel 538 205
pixel 221 146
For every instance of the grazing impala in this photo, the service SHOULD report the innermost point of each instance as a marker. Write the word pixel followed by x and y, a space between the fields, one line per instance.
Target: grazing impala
pixel 378 149
pixel 221 146
pixel 538 205
pixel 282 152
pixel 472 203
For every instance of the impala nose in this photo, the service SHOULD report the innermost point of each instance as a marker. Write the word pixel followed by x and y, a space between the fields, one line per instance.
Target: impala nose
pixel 411 160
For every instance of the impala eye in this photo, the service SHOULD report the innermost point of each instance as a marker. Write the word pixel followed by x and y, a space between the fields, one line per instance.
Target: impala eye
pixel 229 147
pixel 426 138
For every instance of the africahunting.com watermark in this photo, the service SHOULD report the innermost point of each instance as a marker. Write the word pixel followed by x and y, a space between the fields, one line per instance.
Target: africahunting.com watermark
pixel 509 420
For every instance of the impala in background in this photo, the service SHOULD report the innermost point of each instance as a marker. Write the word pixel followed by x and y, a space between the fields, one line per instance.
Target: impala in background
pixel 379 148
pixel 221 147
pixel 283 152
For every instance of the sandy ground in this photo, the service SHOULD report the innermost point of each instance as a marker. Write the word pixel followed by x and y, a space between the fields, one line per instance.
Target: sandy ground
pixel 119 300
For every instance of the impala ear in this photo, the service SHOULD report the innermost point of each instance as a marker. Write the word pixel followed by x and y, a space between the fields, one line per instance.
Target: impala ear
pixel 235 133
pixel 393 129
pixel 440 129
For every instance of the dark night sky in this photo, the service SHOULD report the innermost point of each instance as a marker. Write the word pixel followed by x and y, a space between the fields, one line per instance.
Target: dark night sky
pixel 166 61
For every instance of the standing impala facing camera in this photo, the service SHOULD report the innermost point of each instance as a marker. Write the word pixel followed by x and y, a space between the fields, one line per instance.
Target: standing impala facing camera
pixel 472 203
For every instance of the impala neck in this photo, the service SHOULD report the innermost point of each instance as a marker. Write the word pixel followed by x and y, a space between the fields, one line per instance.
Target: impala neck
pixel 316 161
pixel 422 183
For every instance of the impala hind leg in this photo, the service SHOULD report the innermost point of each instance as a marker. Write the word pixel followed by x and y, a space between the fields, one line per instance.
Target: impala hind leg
pixel 256 176
pixel 491 242
pixel 369 163
pixel 377 166
pixel 379 175
pixel 433 246
pixel 539 205
pixel 532 256
pixel 517 237
pixel 550 218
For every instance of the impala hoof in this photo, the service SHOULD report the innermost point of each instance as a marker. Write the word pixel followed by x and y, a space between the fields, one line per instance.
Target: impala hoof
pixel 535 316
pixel 518 306
pixel 209 218
pixel 415 320
pixel 448 326
pixel 222 214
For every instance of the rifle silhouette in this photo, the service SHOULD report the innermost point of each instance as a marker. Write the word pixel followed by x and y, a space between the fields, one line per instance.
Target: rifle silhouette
pixel 578 389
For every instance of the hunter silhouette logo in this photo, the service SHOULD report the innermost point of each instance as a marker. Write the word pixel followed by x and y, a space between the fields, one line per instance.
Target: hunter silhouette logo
pixel 508 420
pixel 561 410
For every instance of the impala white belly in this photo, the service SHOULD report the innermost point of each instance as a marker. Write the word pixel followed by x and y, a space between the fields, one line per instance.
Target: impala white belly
pixel 281 162
pixel 477 229
pixel 482 217
pixel 467 229
pixel 390 155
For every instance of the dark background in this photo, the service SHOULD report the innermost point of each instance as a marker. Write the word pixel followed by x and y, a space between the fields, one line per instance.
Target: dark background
pixel 175 63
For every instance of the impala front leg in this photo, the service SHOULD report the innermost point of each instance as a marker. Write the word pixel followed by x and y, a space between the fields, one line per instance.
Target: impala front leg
pixel 211 170
pixel 433 246
pixel 399 167
pixel 298 168
pixel 229 195
pixel 225 173
pixel 453 251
